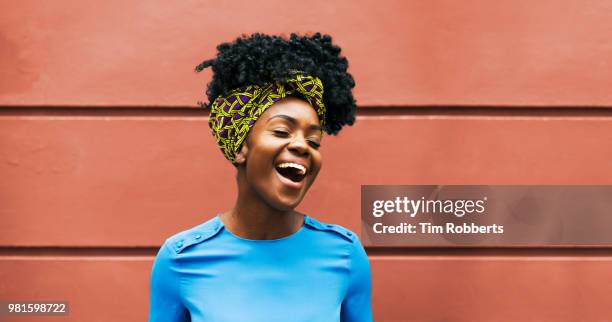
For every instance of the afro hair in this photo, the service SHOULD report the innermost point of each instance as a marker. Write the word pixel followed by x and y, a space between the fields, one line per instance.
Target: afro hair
pixel 258 59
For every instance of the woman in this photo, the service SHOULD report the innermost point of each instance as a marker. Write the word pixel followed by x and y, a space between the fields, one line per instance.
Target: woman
pixel 271 99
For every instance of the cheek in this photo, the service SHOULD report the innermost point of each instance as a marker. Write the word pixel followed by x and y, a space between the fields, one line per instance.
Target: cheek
pixel 260 170
pixel 318 164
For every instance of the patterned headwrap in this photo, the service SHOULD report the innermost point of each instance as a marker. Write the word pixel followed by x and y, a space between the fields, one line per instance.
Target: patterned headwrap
pixel 232 116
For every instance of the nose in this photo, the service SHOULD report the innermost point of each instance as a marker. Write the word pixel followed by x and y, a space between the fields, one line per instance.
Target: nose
pixel 299 144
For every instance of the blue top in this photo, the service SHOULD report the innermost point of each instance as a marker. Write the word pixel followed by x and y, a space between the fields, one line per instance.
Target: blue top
pixel 320 273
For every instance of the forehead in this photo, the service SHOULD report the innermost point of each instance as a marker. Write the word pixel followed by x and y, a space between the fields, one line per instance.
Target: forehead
pixel 294 107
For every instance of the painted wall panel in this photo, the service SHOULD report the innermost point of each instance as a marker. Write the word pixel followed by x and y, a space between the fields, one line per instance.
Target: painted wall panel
pixel 443 52
pixel 132 181
pixel 493 288
pixel 406 288
pixel 96 288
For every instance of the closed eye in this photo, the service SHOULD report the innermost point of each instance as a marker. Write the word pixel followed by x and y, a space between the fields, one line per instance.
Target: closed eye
pixel 281 133
pixel 284 134
pixel 314 144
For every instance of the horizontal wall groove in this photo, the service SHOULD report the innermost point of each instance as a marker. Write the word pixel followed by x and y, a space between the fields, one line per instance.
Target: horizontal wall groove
pixel 78 251
pixel 371 251
pixel 553 251
pixel 183 111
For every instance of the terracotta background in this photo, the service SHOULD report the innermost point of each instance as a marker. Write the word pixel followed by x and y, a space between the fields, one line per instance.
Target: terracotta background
pixel 104 154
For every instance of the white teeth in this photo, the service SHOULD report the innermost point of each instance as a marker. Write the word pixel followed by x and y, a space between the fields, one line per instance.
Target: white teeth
pixel 300 167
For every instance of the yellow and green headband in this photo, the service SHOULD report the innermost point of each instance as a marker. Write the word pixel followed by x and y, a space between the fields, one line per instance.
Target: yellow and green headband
pixel 232 116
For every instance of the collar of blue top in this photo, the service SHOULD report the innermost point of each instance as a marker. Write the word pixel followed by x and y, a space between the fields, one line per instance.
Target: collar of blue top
pixel 207 230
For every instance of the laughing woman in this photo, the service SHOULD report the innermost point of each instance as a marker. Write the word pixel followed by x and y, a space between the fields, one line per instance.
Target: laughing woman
pixel 270 100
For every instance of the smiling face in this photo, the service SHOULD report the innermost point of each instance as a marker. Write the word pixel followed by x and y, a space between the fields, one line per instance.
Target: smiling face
pixel 280 158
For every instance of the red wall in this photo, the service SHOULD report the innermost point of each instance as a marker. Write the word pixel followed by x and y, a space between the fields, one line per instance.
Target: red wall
pixel 104 154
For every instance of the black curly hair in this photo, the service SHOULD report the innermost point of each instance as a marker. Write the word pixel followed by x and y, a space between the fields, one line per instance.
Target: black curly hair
pixel 260 58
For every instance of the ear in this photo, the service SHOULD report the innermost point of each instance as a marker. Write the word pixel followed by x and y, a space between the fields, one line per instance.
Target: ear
pixel 242 154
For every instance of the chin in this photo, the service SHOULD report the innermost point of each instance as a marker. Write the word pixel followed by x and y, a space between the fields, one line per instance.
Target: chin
pixel 285 204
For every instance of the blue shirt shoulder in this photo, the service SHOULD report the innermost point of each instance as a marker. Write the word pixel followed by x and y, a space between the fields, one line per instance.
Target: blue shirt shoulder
pixel 332 228
pixel 195 235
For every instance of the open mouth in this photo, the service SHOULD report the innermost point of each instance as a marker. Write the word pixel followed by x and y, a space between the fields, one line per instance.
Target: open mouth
pixel 292 171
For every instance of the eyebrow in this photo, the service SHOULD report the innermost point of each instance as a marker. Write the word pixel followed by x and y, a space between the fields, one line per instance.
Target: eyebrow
pixel 293 121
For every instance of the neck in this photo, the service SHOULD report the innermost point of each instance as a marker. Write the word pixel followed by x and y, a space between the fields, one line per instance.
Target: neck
pixel 253 218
